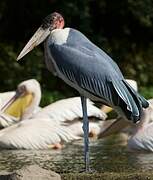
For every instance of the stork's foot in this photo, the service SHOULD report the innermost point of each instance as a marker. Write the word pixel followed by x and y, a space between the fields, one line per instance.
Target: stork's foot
pixel 89 171
pixel 55 146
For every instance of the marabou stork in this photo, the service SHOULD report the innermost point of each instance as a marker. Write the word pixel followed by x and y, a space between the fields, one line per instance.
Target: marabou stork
pixel 71 56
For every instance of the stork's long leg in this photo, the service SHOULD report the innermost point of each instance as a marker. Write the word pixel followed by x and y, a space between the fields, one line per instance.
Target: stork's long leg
pixel 86 131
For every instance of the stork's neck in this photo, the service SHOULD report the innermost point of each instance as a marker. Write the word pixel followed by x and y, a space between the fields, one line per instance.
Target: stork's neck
pixel 33 106
pixel 60 36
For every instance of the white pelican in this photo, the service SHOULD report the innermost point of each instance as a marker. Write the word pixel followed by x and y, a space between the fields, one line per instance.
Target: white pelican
pixel 142 138
pixel 21 104
pixel 140 135
pixel 53 125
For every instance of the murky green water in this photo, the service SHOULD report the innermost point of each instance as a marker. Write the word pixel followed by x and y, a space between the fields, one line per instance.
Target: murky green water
pixel 106 156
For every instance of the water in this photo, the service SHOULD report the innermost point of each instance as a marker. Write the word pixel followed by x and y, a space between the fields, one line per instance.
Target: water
pixel 105 156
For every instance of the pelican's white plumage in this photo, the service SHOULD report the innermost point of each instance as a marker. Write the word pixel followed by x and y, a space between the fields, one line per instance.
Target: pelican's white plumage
pixel 5 96
pixel 67 112
pixel 34 134
pixel 142 138
pixel 69 109
pixel 54 124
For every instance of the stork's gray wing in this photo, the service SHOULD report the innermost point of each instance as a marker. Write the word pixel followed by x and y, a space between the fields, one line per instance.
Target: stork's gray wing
pixel 90 68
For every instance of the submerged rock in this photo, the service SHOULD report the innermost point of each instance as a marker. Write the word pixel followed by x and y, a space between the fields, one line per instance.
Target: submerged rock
pixel 32 172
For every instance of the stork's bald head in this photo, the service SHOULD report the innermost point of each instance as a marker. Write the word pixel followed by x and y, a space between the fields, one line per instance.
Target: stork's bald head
pixel 53 21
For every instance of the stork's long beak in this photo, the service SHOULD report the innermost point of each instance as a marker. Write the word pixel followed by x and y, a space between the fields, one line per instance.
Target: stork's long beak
pixel 39 36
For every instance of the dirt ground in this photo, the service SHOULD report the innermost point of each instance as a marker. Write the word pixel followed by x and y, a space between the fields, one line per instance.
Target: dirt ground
pixel 109 176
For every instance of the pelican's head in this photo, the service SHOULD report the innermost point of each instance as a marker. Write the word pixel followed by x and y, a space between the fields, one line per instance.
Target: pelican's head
pixel 51 22
pixel 30 86
pixel 27 92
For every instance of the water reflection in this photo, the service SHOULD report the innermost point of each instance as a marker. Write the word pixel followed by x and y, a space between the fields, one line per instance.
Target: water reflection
pixel 106 155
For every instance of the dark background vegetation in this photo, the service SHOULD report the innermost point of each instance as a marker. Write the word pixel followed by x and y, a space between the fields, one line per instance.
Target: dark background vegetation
pixel 123 28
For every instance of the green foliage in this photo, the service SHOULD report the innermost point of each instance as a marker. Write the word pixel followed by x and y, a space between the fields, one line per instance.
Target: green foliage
pixel 142 11
pixel 122 28
pixel 12 72
pixel 50 97
pixel 147 92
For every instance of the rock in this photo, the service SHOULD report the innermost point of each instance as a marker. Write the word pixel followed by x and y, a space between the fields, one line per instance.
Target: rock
pixel 32 172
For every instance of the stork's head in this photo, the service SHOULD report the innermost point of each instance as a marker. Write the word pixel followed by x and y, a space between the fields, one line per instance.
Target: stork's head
pixel 51 22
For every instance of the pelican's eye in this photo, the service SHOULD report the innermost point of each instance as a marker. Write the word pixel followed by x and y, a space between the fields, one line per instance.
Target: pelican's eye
pixel 21 90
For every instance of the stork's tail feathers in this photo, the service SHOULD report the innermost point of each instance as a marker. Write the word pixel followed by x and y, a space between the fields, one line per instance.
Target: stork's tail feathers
pixel 143 101
pixel 130 101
